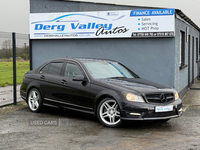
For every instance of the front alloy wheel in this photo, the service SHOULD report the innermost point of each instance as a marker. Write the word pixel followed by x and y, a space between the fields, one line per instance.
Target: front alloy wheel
pixel 108 113
pixel 34 100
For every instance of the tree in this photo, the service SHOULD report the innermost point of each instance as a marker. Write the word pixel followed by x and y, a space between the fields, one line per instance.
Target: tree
pixel 7 47
pixel 6 44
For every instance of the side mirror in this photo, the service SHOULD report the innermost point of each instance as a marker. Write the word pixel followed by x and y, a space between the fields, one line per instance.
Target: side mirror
pixel 79 78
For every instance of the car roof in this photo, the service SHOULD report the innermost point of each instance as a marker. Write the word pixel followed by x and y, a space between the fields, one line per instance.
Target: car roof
pixel 93 59
pixel 81 59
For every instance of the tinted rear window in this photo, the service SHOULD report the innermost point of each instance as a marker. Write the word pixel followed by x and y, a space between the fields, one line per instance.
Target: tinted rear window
pixel 45 69
pixel 55 68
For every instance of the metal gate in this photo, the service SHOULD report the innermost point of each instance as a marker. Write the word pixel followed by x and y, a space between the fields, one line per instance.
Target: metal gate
pixel 14 62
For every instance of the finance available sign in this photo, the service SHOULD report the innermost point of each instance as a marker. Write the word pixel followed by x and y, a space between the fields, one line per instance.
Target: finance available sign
pixel 103 24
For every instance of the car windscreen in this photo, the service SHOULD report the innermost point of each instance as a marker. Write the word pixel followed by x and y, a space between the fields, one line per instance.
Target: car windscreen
pixel 108 69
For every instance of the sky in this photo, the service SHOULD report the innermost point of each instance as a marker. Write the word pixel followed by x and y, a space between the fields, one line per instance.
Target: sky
pixel 14 14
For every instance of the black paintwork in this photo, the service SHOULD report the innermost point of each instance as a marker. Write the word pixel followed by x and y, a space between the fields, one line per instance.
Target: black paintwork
pixel 85 95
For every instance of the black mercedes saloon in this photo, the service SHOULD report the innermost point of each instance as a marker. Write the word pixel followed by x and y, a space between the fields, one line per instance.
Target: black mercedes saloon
pixel 105 88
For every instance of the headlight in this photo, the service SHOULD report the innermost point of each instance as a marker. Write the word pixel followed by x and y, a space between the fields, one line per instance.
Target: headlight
pixel 133 97
pixel 176 96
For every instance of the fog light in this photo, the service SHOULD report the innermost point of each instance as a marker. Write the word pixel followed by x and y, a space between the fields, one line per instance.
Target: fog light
pixel 180 111
pixel 135 114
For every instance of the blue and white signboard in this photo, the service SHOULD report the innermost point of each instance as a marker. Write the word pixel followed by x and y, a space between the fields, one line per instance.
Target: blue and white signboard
pixel 103 24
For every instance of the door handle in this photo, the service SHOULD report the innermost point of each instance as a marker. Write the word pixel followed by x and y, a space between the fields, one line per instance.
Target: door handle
pixel 63 81
pixel 42 77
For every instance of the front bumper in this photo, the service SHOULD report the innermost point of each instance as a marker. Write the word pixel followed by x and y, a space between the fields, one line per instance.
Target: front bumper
pixel 146 111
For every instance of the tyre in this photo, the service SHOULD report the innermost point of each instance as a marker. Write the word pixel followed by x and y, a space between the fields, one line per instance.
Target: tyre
pixel 108 113
pixel 34 100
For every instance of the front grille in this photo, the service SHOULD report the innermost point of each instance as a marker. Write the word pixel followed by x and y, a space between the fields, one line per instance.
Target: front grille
pixel 160 98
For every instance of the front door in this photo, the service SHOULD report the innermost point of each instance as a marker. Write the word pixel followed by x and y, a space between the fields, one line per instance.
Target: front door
pixel 76 92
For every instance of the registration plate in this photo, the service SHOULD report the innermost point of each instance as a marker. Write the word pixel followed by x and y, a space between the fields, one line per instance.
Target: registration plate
pixel 164 108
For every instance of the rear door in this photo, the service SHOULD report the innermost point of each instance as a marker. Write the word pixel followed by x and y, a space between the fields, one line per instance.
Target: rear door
pixel 50 79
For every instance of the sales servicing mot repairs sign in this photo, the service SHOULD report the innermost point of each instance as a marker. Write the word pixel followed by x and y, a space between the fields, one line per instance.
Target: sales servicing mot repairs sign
pixel 103 24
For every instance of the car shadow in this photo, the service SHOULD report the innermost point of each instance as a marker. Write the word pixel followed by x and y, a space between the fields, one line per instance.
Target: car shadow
pixel 69 114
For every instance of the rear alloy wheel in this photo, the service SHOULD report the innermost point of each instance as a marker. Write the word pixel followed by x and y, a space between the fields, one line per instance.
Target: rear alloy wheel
pixel 108 113
pixel 34 100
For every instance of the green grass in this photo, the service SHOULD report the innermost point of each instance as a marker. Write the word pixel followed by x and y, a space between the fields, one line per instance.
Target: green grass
pixel 6 72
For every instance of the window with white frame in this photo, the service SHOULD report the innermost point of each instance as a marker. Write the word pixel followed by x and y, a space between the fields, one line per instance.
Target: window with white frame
pixel 197 49
pixel 182 48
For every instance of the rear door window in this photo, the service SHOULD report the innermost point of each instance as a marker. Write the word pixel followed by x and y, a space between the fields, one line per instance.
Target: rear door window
pixel 45 69
pixel 55 68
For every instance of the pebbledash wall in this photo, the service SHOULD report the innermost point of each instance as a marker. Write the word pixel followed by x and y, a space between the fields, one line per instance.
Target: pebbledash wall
pixel 156 59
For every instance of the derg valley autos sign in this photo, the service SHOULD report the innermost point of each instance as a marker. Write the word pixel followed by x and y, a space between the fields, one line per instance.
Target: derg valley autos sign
pixel 103 24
